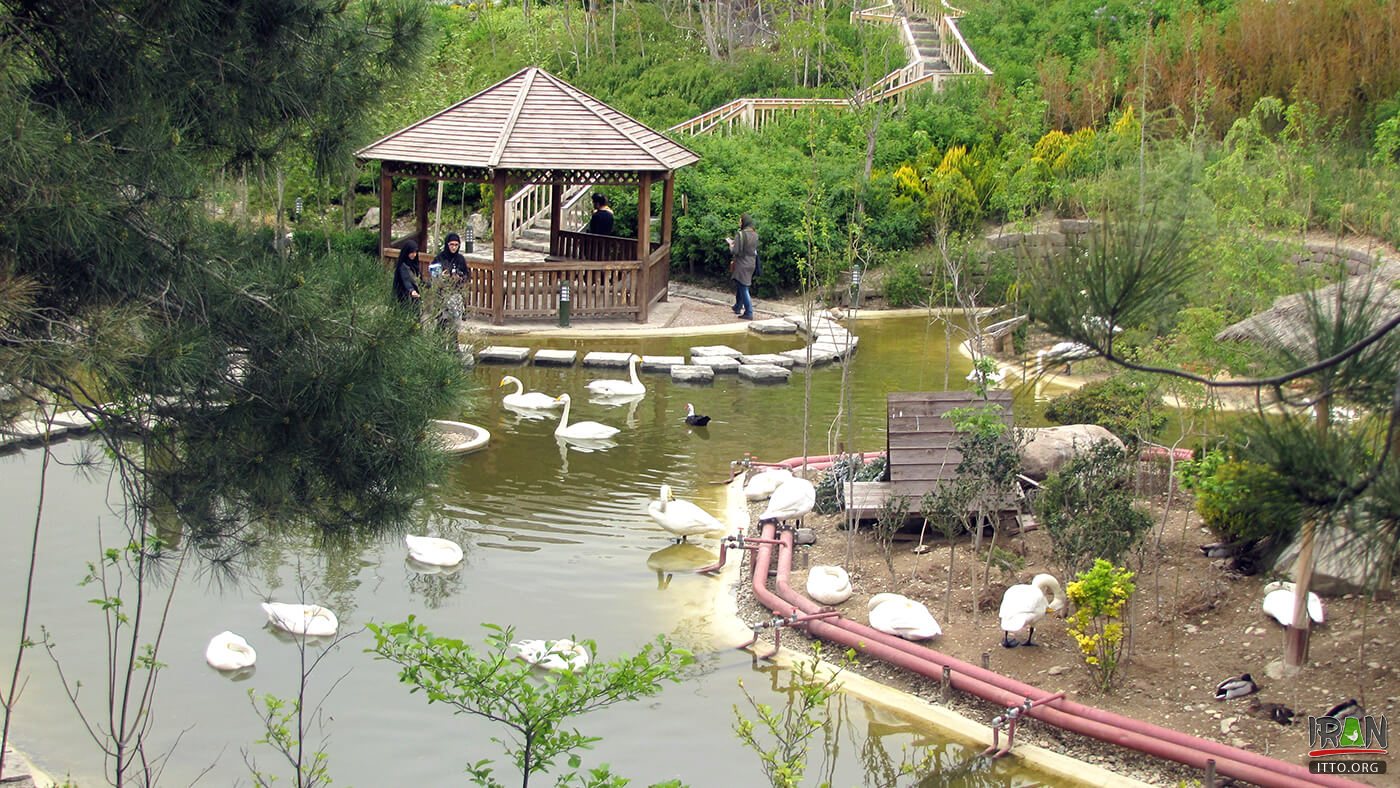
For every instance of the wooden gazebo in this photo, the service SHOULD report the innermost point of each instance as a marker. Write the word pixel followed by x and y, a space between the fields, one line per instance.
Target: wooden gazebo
pixel 526 132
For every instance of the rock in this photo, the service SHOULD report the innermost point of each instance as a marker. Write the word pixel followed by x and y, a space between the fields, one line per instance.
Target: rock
pixel 1226 724
pixel 714 350
pixel 555 358
pixel 775 326
pixel 684 373
pixel 1342 562
pixel 1049 448
pixel 598 358
pixel 799 357
pixel 502 354
pixel 1191 629
pixel 763 373
pixel 767 358
pixel 660 363
pixel 1057 670
pixel 371 219
pixel 717 363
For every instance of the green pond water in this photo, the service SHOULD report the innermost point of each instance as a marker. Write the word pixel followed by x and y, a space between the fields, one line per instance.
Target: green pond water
pixel 557 543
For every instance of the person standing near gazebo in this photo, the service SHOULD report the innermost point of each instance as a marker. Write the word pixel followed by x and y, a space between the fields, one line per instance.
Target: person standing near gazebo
pixel 405 275
pixel 601 223
pixel 744 249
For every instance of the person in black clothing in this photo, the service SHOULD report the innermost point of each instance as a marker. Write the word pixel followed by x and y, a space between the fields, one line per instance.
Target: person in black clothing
pixel 406 274
pixel 602 221
pixel 453 262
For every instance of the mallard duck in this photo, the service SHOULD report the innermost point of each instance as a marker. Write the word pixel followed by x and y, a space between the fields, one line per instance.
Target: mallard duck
pixel 432 550
pixel 228 651
pixel 829 585
pixel 583 430
pixel 899 615
pixel 562 654
pixel 1347 708
pixel 681 518
pixel 762 484
pixel 1278 602
pixel 792 500
pixel 1024 605
pixel 694 419
pixel 312 620
pixel 619 388
pixel 523 400
pixel 1272 711
pixel 1236 687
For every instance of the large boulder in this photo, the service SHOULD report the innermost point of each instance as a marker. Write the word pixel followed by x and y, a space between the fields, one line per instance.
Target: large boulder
pixel 1343 562
pixel 1049 448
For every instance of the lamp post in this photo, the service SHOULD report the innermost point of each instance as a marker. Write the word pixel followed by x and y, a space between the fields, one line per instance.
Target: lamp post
pixel 564 304
pixel 855 287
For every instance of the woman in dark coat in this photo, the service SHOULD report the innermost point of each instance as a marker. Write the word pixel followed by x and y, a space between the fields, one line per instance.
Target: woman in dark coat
pixel 744 249
pixel 406 274
pixel 453 262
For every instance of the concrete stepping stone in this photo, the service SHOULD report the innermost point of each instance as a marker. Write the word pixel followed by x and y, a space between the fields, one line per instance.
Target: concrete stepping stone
pixel 598 358
pixel 840 351
pixel 763 373
pixel 502 354
pixel 555 358
pixel 660 363
pixel 714 350
pixel 766 358
pixel 775 326
pixel 716 363
pixel 799 357
pixel 684 373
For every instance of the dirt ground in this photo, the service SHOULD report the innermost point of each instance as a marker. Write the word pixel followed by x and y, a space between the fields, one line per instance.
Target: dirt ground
pixel 1193 624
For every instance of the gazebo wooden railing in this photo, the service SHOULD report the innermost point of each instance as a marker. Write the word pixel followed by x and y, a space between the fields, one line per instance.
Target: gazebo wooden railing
pixel 607 288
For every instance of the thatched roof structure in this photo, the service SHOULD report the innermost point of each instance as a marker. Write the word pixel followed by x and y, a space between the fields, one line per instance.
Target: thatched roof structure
pixel 1287 325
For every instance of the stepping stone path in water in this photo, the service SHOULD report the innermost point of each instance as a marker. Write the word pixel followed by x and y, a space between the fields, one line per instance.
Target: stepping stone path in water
pixel 715 350
pixel 501 354
pixel 555 358
pixel 34 430
pixel 716 363
pixel 598 358
pixel 777 325
pixel 799 357
pixel 763 373
pixel 691 374
pixel 767 358
pixel 660 363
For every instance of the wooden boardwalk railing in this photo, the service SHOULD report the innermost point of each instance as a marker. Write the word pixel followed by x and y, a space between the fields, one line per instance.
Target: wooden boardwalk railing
pixel 531 203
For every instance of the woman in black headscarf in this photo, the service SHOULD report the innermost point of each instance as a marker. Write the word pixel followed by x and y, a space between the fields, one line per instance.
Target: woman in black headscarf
pixel 453 262
pixel 406 274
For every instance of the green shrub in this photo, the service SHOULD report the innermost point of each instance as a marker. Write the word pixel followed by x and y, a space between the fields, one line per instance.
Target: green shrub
pixel 1087 508
pixel 905 285
pixel 1232 497
pixel 1120 405
pixel 314 242
pixel 831 488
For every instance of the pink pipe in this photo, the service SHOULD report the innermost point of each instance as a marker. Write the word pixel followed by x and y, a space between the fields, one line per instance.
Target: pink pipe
pixel 1105 726
pixel 816 461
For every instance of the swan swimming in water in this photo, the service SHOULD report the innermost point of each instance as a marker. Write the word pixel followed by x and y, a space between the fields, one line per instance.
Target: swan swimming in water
pixel 228 651
pixel 899 615
pixel 583 430
pixel 619 388
pixel 312 620
pixel 523 400
pixel 1023 605
pixel 562 654
pixel 681 518
pixel 432 550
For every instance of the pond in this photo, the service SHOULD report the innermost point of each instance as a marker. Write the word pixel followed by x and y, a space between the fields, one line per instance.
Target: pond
pixel 557 543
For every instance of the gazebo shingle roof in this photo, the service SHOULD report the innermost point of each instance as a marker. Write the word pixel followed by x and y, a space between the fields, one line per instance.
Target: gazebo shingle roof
pixel 532 121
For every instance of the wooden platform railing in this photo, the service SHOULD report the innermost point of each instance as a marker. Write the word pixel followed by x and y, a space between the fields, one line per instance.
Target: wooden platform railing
pixel 586 246
pixel 956 52
pixel 751 113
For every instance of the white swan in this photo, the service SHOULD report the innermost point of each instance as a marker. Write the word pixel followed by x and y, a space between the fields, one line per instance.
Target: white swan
pixel 533 400
pixel 899 615
pixel 619 388
pixel 993 378
pixel 1024 605
pixel 1278 602
pixel 562 654
pixel 312 620
pixel 762 484
pixel 792 500
pixel 583 430
pixel 432 550
pixel 228 651
pixel 829 585
pixel 681 518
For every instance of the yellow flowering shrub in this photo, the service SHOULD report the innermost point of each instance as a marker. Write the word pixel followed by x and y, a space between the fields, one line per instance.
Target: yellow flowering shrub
pixel 1099 596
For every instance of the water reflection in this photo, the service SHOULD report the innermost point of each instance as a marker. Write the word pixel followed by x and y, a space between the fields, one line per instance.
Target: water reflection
pixel 680 557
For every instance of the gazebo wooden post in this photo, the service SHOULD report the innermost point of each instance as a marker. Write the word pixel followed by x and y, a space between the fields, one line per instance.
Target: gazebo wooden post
pixel 498 247
pixel 644 245
pixel 420 215
pixel 556 215
pixel 668 199
pixel 386 208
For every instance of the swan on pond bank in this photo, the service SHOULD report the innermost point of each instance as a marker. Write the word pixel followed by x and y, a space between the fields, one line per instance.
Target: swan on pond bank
pixel 1024 605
